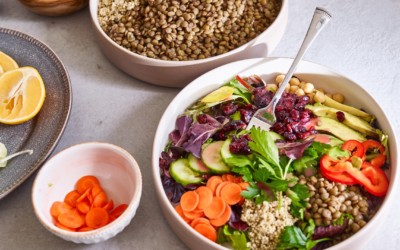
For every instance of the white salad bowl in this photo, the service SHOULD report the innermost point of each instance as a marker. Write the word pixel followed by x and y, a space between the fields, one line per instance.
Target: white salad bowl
pixel 179 73
pixel 119 176
pixel 321 77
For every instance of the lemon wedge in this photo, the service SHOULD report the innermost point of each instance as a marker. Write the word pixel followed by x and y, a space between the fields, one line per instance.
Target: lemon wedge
pixel 218 95
pixel 22 93
pixel 6 63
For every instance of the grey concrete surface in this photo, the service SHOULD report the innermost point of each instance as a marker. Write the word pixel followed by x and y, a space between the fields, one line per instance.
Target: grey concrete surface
pixel 362 42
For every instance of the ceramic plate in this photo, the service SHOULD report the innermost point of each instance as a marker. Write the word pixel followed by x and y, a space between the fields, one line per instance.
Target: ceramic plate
pixel 42 133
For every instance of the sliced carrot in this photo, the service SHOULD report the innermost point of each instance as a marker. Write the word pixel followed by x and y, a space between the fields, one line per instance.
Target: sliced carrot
pixel 207 231
pixel 205 196
pixel 244 185
pixel 59 225
pixel 59 207
pixel 109 206
pixel 84 195
pixel 100 200
pixel 197 213
pixel 198 221
pixel 238 179
pixel 228 177
pixel 97 217
pixel 189 201
pixel 219 187
pixel 216 208
pixel 85 229
pixel 231 193
pixel 72 219
pixel 213 182
pixel 83 207
pixel 86 182
pixel 179 210
pixel 71 198
pixel 95 190
pixel 116 212
pixel 223 219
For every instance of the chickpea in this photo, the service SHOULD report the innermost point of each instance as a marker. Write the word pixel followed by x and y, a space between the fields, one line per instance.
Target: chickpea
pixel 294 81
pixel 319 97
pixel 287 88
pixel 271 87
pixel 299 92
pixel 338 97
pixel 329 95
pixel 279 78
pixel 308 87
pixel 293 88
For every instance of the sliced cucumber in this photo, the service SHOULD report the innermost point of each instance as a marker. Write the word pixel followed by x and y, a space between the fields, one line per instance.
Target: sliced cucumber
pixel 211 156
pixel 182 173
pixel 197 165
pixel 225 152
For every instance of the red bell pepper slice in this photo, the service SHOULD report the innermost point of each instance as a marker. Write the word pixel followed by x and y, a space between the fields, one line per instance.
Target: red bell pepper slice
pixel 379 182
pixel 373 179
pixel 343 178
pixel 244 83
pixel 355 148
pixel 334 170
pixel 375 147
pixel 329 164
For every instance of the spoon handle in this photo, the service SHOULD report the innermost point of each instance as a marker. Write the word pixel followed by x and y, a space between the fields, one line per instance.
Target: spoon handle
pixel 320 19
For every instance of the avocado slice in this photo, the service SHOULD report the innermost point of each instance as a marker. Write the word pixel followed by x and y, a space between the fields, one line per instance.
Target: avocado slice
pixel 349 109
pixel 350 120
pixel 337 129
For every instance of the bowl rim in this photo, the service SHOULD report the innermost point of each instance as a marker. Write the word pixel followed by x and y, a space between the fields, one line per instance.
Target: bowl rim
pixel 130 210
pixel 188 89
pixel 93 8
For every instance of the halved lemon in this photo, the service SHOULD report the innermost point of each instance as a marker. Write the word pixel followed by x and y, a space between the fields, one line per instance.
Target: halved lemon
pixel 22 93
pixel 6 63
pixel 218 95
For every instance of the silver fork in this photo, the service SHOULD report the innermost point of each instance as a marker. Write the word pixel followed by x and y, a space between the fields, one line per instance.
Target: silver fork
pixel 264 118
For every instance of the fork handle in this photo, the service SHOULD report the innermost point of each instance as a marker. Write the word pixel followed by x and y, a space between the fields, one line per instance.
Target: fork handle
pixel 320 19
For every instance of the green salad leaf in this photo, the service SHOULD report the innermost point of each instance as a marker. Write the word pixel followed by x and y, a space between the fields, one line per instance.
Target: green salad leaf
pixel 294 237
pixel 236 238
pixel 240 90
pixel 310 157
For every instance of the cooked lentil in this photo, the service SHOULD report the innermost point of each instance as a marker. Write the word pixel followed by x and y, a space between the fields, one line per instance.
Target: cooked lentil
pixel 185 30
pixel 329 200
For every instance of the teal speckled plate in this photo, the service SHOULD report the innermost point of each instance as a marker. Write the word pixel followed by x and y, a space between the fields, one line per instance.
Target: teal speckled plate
pixel 43 132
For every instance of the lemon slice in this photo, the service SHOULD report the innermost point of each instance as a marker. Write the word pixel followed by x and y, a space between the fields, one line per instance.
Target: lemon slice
pixel 219 94
pixel 6 63
pixel 22 93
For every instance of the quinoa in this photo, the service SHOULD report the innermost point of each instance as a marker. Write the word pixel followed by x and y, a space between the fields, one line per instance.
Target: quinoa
pixel 185 30
pixel 266 222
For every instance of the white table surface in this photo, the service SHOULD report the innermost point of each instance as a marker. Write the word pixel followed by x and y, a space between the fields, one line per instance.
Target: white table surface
pixel 362 42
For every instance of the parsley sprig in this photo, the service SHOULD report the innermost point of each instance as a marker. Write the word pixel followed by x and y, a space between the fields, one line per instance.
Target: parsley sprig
pixel 269 173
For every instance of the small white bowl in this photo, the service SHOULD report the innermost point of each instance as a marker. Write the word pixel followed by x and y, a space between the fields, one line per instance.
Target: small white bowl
pixel 268 68
pixel 117 171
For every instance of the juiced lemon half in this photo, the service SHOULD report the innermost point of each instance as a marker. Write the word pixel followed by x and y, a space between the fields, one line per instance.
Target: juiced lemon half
pixel 6 63
pixel 22 93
